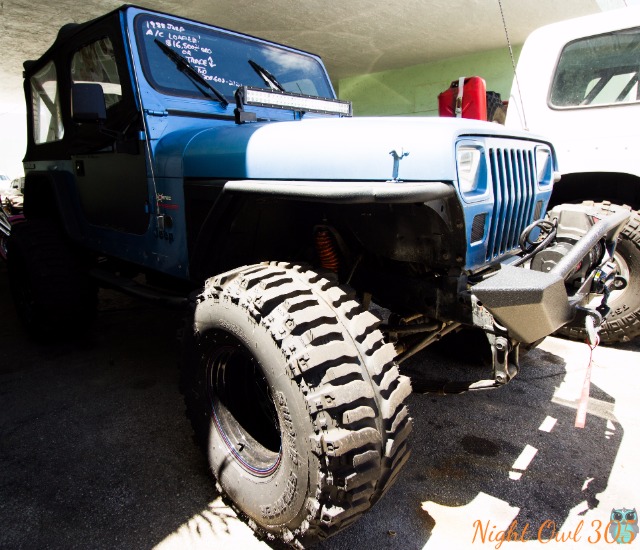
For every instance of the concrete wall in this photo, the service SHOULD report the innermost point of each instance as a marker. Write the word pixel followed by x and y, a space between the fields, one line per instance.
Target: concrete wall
pixel 13 138
pixel 413 91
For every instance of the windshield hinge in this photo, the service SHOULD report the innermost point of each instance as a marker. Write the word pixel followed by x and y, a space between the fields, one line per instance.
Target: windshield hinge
pixel 151 112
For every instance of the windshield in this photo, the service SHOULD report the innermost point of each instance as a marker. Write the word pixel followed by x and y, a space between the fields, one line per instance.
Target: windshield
pixel 599 70
pixel 222 59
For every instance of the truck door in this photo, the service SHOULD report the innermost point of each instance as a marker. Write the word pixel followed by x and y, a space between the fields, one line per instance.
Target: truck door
pixel 108 158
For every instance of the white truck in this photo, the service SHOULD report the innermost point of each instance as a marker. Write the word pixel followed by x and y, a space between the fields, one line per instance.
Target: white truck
pixel 577 84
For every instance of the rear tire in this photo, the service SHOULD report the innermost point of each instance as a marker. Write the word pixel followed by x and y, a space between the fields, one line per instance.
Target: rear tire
pixel 50 286
pixel 296 400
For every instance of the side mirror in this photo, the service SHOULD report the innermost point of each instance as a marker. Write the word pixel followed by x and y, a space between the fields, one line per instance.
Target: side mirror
pixel 87 103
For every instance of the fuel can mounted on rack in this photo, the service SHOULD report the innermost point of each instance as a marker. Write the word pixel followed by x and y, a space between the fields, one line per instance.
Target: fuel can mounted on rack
pixel 466 98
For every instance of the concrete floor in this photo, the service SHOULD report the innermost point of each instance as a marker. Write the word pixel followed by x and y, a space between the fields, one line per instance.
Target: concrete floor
pixel 95 450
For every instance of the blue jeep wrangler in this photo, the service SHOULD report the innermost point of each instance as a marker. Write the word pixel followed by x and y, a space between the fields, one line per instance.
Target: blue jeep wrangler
pixel 313 252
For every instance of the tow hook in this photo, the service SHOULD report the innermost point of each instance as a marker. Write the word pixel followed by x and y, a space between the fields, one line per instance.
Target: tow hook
pixel 591 320
pixel 592 333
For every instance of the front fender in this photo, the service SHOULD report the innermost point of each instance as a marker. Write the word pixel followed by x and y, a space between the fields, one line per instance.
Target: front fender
pixel 345 192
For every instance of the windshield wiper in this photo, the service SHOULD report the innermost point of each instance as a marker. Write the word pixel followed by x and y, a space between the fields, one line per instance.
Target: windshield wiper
pixel 184 67
pixel 268 78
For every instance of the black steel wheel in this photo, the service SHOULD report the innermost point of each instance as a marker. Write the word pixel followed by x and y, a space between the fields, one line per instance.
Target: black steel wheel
pixel 243 410
pixel 296 400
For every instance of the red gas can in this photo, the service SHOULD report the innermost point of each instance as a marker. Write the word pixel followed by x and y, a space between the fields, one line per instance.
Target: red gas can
pixel 470 101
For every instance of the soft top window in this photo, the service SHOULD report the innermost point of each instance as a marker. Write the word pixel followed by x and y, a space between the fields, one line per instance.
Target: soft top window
pixel 45 106
pixel 599 70
pixel 96 63
pixel 222 59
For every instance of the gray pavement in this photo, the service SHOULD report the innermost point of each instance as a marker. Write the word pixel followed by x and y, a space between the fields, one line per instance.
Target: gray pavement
pixel 95 450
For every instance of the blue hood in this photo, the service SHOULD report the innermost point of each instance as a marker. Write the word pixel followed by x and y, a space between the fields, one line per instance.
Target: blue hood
pixel 321 149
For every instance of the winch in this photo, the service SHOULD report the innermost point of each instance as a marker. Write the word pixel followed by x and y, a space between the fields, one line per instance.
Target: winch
pixel 570 226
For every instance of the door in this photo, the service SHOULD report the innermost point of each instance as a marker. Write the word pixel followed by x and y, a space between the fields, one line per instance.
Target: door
pixel 108 157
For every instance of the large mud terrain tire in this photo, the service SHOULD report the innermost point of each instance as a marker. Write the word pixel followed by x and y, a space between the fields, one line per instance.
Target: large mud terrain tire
pixel 623 323
pixel 50 286
pixel 296 399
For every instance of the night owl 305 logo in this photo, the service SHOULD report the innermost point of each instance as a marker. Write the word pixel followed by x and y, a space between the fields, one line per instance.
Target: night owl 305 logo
pixel 623 525
pixel 621 528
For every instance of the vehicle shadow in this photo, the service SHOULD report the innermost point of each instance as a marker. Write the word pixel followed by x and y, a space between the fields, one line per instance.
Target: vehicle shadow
pixel 471 450
pixel 95 448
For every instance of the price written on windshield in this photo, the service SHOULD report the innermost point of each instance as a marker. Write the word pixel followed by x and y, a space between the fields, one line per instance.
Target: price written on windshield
pixel 199 56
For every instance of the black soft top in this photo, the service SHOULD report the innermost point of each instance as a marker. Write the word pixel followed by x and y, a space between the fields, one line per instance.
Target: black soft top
pixel 65 33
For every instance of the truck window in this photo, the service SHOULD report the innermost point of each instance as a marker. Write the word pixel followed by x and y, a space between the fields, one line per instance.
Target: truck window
pixel 223 59
pixel 45 106
pixel 96 63
pixel 599 70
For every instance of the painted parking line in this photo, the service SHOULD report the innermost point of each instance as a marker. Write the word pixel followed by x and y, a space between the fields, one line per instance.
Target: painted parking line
pixel 522 462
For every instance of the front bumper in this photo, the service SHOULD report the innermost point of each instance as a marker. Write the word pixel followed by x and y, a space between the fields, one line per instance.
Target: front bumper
pixel 532 304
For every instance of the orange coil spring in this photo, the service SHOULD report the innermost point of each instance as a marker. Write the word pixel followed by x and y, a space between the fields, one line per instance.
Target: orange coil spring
pixel 326 250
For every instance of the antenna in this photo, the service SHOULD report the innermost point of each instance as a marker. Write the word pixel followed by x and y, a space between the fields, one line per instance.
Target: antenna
pixel 513 63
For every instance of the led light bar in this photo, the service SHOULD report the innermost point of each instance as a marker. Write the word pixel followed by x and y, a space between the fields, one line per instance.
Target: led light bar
pixel 295 102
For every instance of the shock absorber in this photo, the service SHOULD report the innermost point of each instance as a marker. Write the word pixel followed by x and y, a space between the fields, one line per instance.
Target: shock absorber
pixel 326 249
